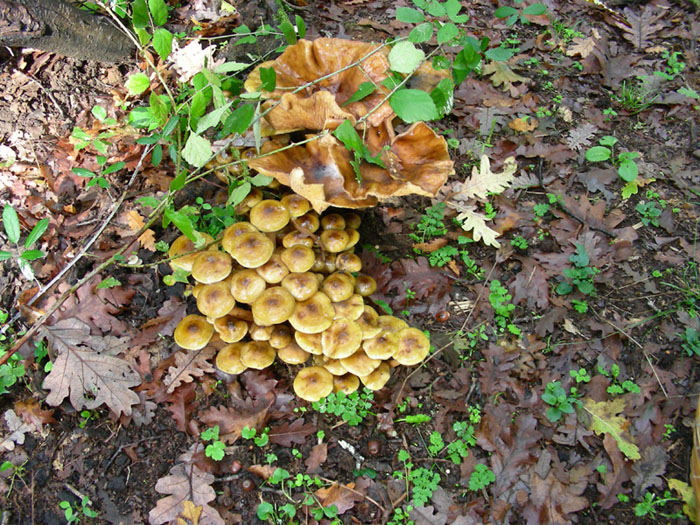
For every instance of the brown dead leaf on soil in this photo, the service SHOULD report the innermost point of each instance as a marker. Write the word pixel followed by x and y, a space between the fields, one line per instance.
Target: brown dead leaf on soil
pixel 343 497
pixel 188 365
pixel 317 457
pixel 233 419
pixel 287 434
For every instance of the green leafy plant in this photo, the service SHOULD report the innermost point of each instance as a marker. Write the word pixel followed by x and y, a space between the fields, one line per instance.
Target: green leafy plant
pixel 431 224
pixel 215 449
pixel 86 416
pixel 651 505
pixel 519 242
pixel 260 440
pixel 74 512
pixel 420 481
pixel 560 402
pixel 674 66
pixel 17 473
pixel 352 408
pixel 636 95
pixel 649 211
pixel 465 343
pixel 580 276
pixel 502 307
pixel 442 256
pixel 691 341
pixel 618 387
pixel 23 254
pixel 580 375
pixel 513 14
pixel 624 162
pixel 481 478
pixel 415 419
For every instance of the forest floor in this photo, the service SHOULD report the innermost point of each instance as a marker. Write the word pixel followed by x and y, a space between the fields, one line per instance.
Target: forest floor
pixel 563 378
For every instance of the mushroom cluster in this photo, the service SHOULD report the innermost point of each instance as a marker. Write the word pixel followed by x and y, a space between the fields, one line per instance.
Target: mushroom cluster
pixel 286 284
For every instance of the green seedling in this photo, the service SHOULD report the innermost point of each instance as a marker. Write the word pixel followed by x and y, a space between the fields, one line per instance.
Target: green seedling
pixel 73 513
pixel 421 482
pixel 674 66
pixel 560 402
pixel 580 276
pixel 431 224
pixel 618 387
pixel 650 506
pixel 580 375
pixel 691 341
pixel 17 473
pixel 519 242
pixel 23 254
pixel 649 211
pixel 502 307
pixel 513 14
pixel 481 478
pixel 215 449
pixel 260 440
pixel 352 408
pixel 624 162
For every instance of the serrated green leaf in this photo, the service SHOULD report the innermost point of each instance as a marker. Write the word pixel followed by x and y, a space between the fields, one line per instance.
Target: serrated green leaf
pixel 405 57
pixel 408 15
pixel 230 67
pixel 261 180
pixel 36 233
pixel 421 33
pixel 413 105
pixel 159 11
pixel 182 222
pixel 268 78
pixel 447 33
pixel 99 113
pixel 137 83
pixel 212 118
pixel 347 134
pixel 239 120
pixel 364 90
pixel 290 35
pixel 159 109
pixel 157 155
pixel 10 221
pixel 139 14
pixel 197 150
pixel 170 126
pixel 178 182
pixel 443 96
pixel 535 9
pixel 163 42
pixel 598 154
pixel 109 282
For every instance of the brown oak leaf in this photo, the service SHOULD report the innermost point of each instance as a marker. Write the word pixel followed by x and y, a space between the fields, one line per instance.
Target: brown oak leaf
pixel 343 497
pixel 233 419
pixel 316 458
pixel 287 434
pixel 188 365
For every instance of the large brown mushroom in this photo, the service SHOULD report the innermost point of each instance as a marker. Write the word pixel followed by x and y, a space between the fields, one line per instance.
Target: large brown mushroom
pixel 269 216
pixel 413 346
pixel 377 379
pixel 230 329
pixel 182 252
pixel 215 300
pixel 301 285
pixel 257 354
pixel 252 249
pixel 247 286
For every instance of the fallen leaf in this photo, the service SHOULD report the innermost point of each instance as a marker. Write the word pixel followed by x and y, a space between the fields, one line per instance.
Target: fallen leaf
pixel 641 27
pixel 317 457
pixel 31 413
pixel 523 125
pixel 233 419
pixel 551 501
pixel 604 420
pixel 84 371
pixel 188 365
pixel 648 470
pixel 531 284
pixel 484 181
pixel 17 429
pixel 342 496
pixel 686 493
pixel 431 246
pixel 264 471
pixel 287 434
pixel 475 222
pixel 185 483
pixel 147 240
pixel 581 136
pixel 189 512
pixel 427 516
pixel 502 74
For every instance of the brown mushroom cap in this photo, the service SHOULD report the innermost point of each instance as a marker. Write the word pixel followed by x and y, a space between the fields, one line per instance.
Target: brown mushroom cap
pixel 252 249
pixel 211 266
pixel 274 306
pixel 274 270
pixel 309 221
pixel 365 285
pixel 281 336
pixel 309 342
pixel 334 241
pixel 350 308
pixel 301 285
pixel 233 231
pixel 342 339
pixel 352 220
pixel 413 347
pixel 193 332
pixel 260 333
pixel 333 221
pixel 338 286
pixel 377 379
pixel 230 329
pixel 228 359
pixel 347 383
pixel 296 204
pixel 313 315
pixel 295 238
pixel 215 300
pixel 359 364
pixel 313 383
pixel 257 354
pixel 334 366
pixel 353 238
pixel 293 354
pixel 369 322
pixel 348 262
pixel 247 286
pixel 389 323
pixel 298 258
pixel 269 216
pixel 382 346
pixel 183 252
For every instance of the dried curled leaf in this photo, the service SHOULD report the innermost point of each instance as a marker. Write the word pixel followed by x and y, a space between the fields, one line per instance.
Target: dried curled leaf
pixel 189 365
pixel 84 371
pixel 605 420
pixel 483 181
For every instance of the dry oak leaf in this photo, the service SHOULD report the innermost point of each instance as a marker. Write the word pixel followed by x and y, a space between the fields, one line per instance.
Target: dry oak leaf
pixel 189 512
pixel 343 497
pixel 523 124
pixel 188 365
pixel 502 74
pixel 483 181
pixel 475 222
pixel 287 434
pixel 640 27
pixel 583 46
pixel 649 470
pixel 86 372
pixel 686 493
pixel 605 420
pixel 233 419
pixel 17 429
pixel 551 501
pixel 185 483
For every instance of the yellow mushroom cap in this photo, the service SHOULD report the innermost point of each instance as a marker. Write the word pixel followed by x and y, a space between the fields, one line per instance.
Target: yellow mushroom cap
pixel 252 249
pixel 334 241
pixel 313 315
pixel 193 332
pixel 309 221
pixel 211 266
pixel 313 383
pixel 215 300
pixel 298 258
pixel 246 286
pixel 281 336
pixel 381 346
pixel 230 329
pixel 389 323
pixel 347 383
pixel 233 231
pixel 334 366
pixel 296 204
pixel 377 379
pixel 413 347
pixel 257 355
pixel 353 238
pixel 183 252
pixel 342 339
pixel 301 285
pixel 352 308
pixel 260 333
pixel 309 342
pixel 369 322
pixel 254 197
pixel 348 262
pixel 293 354
pixel 333 221
pixel 274 270
pixel 338 286
pixel 274 306
pixel 352 220
pixel 295 238
pixel 365 285
pixel 228 359
pixel 360 364
pixel 269 216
